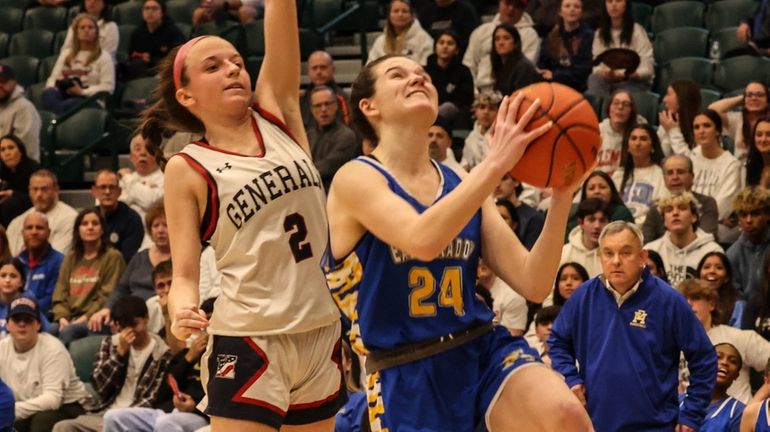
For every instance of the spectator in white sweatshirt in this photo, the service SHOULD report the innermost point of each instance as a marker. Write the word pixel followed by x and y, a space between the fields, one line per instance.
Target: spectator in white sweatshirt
pixel 684 244
pixel 717 171
pixel 141 187
pixel 582 246
pixel 81 71
pixel 402 35
pixel 39 370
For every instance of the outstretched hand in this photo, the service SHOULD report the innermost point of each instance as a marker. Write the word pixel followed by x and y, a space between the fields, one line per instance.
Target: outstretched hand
pixel 508 138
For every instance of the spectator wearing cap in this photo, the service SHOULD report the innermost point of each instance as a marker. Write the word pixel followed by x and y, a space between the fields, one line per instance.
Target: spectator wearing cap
pixel 39 370
pixel 331 142
pixel 477 56
pixel 17 114
pixel 440 145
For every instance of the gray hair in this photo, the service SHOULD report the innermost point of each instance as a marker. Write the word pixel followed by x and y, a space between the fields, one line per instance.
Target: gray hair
pixel 620 226
pixel 682 157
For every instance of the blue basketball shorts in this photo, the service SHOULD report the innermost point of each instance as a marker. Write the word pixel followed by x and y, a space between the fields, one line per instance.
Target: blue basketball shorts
pixel 450 391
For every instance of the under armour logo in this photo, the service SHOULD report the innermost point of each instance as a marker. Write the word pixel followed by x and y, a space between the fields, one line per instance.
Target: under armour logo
pixel 226 167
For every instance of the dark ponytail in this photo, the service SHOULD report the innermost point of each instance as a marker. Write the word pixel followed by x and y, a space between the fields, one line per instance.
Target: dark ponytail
pixel 362 88
pixel 167 114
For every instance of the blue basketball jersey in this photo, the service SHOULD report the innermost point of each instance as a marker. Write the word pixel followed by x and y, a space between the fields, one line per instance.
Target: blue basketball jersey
pixel 763 421
pixel 723 416
pixel 391 298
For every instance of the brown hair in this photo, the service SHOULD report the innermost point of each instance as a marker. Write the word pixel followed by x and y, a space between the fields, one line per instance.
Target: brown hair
pixel 167 113
pixel 362 88
pixel 694 289
pixel 95 53
pixel 158 210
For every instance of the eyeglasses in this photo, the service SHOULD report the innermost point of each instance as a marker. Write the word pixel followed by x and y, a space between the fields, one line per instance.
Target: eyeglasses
pixel 106 188
pixel 324 105
pixel 756 94
pixel 621 104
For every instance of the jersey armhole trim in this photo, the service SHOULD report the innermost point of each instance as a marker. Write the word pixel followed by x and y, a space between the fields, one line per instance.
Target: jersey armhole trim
pixel 267 115
pixel 210 214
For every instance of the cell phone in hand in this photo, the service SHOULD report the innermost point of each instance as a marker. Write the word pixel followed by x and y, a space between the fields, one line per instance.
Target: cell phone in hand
pixel 174 385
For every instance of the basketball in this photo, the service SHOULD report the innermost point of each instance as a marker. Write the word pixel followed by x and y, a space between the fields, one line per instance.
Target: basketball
pixel 569 148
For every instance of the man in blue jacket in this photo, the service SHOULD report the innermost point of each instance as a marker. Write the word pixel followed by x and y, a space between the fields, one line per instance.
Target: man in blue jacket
pixel 41 260
pixel 625 329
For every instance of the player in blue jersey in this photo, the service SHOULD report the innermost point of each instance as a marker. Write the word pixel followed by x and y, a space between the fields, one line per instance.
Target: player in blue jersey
pixel 756 416
pixel 249 189
pixel 404 267
pixel 724 412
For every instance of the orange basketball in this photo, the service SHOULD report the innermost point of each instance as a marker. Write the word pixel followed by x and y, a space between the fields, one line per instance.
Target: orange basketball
pixel 569 148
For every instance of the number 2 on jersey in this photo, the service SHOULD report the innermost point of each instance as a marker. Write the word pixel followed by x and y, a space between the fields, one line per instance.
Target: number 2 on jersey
pixel 300 248
pixel 423 285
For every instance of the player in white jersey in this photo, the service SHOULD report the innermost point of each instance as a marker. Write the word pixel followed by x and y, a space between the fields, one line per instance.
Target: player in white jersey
pixel 249 189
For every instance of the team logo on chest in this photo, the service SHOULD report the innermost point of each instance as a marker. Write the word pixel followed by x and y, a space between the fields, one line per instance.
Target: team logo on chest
pixel 640 319
pixel 226 366
pixel 226 166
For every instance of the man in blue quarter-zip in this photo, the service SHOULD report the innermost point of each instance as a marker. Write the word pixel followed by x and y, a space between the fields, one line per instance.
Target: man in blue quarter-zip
pixel 625 329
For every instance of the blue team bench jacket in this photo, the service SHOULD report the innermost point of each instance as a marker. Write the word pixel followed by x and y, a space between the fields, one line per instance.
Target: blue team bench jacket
pixel 628 356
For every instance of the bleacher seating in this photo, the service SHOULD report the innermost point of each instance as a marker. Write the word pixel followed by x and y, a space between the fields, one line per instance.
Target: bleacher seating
pixel 46 18
pixel 36 43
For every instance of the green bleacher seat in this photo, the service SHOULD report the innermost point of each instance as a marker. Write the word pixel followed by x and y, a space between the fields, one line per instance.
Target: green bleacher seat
pixel 680 42
pixel 309 41
pixel 83 352
pixel 682 13
pixel 707 97
pixel 647 105
pixel 318 13
pixel 36 43
pixel 35 94
pixel 180 11
pixel 16 4
pixel 4 38
pixel 82 131
pixel 46 67
pixel 58 41
pixel 642 14
pixel 728 13
pixel 72 12
pixel 597 103
pixel 24 68
pixel 185 28
pixel 697 69
pixel 129 12
pixel 124 37
pixel 11 20
pixel 46 18
pixel 728 41
pixel 735 72
pixel 255 38
pixel 253 65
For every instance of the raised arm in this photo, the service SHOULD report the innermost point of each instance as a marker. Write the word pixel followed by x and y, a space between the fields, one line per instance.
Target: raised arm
pixel 184 207
pixel 424 235
pixel 278 80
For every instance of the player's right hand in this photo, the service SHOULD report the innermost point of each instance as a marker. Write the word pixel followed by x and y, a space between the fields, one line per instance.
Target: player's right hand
pixel 188 321
pixel 508 139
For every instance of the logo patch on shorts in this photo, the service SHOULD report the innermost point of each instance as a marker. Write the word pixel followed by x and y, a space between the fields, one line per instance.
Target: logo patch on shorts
pixel 226 366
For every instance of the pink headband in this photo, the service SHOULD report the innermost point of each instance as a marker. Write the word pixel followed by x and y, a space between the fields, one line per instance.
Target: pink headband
pixel 181 55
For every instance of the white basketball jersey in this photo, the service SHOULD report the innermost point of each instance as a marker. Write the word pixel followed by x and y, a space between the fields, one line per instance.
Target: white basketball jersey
pixel 266 220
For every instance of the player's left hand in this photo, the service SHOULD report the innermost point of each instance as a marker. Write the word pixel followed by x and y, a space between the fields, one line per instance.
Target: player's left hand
pixel 683 428
pixel 568 190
